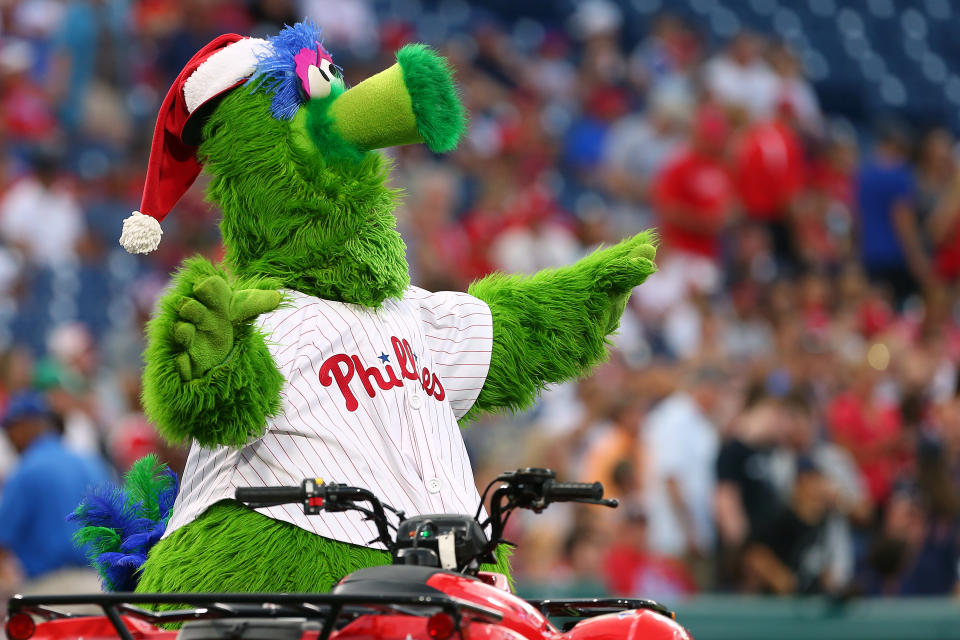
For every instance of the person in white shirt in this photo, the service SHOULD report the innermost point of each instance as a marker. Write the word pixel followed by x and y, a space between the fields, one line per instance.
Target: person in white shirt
pixel 41 216
pixel 680 441
pixel 740 78
pixel 637 147
pixel 795 90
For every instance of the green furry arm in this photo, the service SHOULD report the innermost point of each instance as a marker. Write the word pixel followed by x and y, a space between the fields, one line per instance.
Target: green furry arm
pixel 208 375
pixel 552 326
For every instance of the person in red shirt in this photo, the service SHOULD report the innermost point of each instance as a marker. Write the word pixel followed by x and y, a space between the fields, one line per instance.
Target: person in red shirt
pixel 944 229
pixel 693 197
pixel 632 570
pixel 870 430
pixel 693 194
pixel 769 173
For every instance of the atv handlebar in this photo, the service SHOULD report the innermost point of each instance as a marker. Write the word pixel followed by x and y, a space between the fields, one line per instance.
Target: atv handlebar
pixel 535 489
pixel 269 496
pixel 529 488
pixel 571 491
pixel 316 496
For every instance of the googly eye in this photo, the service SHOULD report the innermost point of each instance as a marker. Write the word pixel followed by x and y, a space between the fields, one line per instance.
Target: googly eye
pixel 318 82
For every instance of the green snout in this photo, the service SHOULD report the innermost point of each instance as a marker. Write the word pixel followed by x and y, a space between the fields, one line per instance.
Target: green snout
pixel 413 101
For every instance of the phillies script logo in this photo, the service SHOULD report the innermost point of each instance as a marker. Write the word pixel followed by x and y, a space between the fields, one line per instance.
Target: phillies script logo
pixel 341 368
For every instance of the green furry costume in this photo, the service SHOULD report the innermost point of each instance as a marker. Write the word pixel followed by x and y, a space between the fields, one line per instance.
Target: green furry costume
pixel 306 211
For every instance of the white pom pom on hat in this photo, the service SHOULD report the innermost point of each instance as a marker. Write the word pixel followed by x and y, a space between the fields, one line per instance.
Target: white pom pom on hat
pixel 217 68
pixel 141 233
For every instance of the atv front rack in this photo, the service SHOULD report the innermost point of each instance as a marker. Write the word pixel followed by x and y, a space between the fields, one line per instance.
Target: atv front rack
pixel 330 609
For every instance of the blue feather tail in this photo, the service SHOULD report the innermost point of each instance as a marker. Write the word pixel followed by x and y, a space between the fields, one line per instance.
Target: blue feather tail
pixel 119 525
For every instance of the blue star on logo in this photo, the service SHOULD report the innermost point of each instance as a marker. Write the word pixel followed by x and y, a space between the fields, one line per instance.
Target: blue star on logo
pixel 384 357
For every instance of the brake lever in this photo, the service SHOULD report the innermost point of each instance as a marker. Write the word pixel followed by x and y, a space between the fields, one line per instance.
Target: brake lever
pixel 613 503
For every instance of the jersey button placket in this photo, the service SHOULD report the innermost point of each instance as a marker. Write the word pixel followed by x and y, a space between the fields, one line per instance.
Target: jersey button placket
pixel 415 401
pixel 434 485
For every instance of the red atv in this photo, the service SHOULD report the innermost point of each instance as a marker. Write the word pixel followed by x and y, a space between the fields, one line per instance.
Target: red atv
pixel 432 591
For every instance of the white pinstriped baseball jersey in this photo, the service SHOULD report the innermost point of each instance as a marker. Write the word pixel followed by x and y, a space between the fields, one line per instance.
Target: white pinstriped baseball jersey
pixel 371 399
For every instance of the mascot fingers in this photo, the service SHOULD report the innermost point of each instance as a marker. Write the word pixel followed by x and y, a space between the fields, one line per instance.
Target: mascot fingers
pixel 184 333
pixel 214 293
pixel 184 368
pixel 620 275
pixel 247 304
pixel 643 247
pixel 194 311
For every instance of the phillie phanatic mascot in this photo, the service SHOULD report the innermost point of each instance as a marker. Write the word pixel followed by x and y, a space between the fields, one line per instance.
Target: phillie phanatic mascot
pixel 307 352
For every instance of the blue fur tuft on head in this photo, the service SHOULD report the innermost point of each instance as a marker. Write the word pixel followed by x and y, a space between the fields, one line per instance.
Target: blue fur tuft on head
pixel 276 72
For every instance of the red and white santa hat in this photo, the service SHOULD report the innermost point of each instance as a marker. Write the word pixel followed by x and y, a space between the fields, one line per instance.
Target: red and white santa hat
pixel 220 66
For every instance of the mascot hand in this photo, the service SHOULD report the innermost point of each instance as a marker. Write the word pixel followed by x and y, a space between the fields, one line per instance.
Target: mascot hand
pixel 622 267
pixel 626 264
pixel 208 321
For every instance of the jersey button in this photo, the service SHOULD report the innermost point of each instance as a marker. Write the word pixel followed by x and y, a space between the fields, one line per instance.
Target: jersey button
pixel 415 402
pixel 433 485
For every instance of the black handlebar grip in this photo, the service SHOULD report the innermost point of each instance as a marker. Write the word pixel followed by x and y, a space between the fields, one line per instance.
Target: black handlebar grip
pixel 278 495
pixel 570 491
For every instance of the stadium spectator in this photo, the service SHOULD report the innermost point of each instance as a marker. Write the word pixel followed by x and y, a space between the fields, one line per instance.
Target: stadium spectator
pixel 90 66
pixel 891 238
pixel 693 197
pixel 40 215
pixel 849 504
pixel 632 569
pixel 638 146
pixel 769 172
pixel 943 223
pixel 693 192
pixel 914 553
pixel 849 495
pixel 667 58
pixel 739 78
pixel 795 90
pixel 945 232
pixel 746 498
pixel 25 113
pixel 577 576
pixel 868 427
pixel 46 485
pixel 936 169
pixel 786 554
pixel 68 376
pixel 680 448
pixel 617 445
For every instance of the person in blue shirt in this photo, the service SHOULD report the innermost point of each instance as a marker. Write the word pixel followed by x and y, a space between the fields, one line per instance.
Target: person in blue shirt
pixel 891 239
pixel 47 484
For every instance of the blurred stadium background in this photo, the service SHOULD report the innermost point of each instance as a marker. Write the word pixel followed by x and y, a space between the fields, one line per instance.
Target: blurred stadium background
pixel 781 415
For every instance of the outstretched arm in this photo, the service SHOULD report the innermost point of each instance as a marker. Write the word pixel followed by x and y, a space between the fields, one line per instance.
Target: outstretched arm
pixel 552 326
pixel 208 375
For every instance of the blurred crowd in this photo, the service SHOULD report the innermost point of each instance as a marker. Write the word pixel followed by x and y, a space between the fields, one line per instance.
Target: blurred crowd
pixel 781 414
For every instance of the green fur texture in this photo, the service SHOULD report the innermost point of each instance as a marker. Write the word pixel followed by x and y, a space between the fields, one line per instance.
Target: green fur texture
pixel 321 226
pixel 228 404
pixel 441 119
pixel 552 326
pixel 232 548
pixel 323 134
